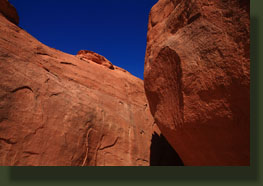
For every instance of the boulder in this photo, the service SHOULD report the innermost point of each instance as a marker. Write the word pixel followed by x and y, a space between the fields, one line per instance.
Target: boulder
pixel 197 79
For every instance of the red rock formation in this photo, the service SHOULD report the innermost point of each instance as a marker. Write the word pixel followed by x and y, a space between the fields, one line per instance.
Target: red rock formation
pixel 58 110
pixel 9 11
pixel 197 78
pixel 90 56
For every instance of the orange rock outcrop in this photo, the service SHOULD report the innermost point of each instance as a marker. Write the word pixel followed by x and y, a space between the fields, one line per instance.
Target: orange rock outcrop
pixel 59 110
pixel 197 78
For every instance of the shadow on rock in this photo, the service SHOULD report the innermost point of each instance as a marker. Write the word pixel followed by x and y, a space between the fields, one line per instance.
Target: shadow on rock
pixel 162 153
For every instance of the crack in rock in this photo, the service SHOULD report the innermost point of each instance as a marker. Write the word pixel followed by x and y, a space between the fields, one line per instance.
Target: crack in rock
pixel 109 146
pixel 21 88
pixel 8 141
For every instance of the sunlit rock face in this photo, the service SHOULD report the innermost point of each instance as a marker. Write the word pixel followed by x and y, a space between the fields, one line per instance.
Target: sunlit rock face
pixel 197 78
pixel 90 56
pixel 59 110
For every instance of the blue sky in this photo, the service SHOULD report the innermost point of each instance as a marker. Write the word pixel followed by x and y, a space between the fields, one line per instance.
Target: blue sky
pixel 116 29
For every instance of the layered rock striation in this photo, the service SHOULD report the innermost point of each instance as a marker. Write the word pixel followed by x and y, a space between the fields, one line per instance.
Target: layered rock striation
pixel 197 78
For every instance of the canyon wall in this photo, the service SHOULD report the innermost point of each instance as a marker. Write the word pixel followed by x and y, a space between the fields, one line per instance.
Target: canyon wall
pixel 58 109
pixel 197 78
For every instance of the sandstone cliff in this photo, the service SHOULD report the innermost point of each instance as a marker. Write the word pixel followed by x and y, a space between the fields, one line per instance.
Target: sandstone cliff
pixel 197 78
pixel 59 110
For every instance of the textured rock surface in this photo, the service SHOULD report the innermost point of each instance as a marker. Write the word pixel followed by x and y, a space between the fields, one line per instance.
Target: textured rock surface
pixel 9 11
pixel 90 56
pixel 197 78
pixel 56 109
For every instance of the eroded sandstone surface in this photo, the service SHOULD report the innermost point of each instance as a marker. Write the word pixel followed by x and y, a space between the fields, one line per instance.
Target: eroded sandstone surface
pixel 197 78
pixel 59 110
pixel 90 56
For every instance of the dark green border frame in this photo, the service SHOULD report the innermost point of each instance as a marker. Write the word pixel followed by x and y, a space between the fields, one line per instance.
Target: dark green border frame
pixel 252 175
